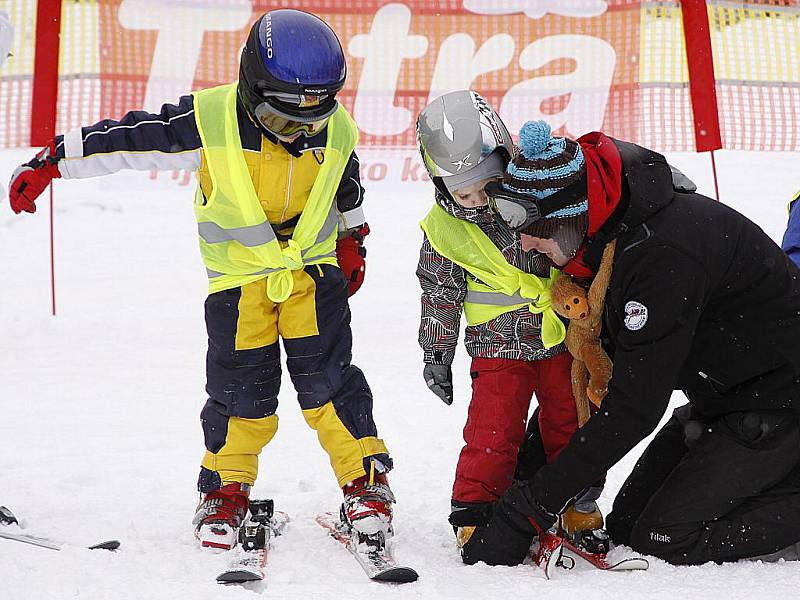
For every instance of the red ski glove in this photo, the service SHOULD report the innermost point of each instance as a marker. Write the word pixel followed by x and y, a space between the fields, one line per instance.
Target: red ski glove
pixel 350 253
pixel 31 179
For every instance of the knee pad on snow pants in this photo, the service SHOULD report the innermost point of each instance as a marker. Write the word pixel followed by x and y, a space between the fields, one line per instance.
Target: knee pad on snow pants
pixel 241 384
pixel 238 418
pixel 333 393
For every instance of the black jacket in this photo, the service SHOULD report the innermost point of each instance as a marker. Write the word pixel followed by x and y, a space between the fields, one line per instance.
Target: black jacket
pixel 700 300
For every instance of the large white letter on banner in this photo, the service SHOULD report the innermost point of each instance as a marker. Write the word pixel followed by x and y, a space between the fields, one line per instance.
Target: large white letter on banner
pixel 588 85
pixel 536 9
pixel 6 36
pixel 181 25
pixel 383 50
pixel 458 64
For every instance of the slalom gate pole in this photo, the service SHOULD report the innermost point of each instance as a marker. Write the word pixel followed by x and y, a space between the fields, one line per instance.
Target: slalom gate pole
pixel 52 256
pixel 44 90
pixel 716 179
pixel 44 97
pixel 702 82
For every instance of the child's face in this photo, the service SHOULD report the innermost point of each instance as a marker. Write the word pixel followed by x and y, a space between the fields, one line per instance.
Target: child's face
pixel 472 196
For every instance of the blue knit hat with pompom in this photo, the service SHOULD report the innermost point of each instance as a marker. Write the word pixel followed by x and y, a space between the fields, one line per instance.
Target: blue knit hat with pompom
pixel 544 166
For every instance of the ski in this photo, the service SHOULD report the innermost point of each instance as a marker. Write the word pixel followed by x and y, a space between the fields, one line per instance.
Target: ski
pixel 255 535
pixel 599 561
pixel 8 519
pixel 379 564
pixel 548 554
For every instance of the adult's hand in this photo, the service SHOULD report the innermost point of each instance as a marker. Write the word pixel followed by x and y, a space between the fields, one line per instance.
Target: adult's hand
pixel 505 540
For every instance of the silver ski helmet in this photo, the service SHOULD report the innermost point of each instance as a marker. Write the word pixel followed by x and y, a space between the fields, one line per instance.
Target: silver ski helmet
pixel 462 140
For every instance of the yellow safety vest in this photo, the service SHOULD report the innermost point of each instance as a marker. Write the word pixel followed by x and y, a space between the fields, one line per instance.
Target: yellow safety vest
pixel 794 199
pixel 496 287
pixel 237 242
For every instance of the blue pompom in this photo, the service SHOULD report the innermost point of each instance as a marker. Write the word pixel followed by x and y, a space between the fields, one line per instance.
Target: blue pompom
pixel 533 138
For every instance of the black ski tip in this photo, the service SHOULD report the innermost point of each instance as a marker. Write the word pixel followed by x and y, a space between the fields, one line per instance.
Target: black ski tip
pixel 397 575
pixel 7 517
pixel 237 577
pixel 109 545
pixel 635 563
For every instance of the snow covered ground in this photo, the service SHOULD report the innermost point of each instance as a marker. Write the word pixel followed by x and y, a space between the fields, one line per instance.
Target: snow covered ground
pixel 99 426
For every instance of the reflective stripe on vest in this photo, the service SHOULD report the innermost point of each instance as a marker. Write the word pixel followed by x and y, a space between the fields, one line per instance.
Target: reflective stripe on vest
pixel 254 235
pixel 237 242
pixel 495 287
pixel 494 298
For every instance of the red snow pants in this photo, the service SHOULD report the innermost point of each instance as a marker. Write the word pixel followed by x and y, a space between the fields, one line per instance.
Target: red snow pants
pixel 498 412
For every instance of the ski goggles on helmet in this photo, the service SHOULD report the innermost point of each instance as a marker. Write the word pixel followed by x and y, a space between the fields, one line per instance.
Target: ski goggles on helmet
pixel 282 126
pixel 288 114
pixel 519 211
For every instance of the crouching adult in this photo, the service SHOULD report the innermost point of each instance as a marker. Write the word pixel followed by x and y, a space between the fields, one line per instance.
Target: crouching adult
pixel 700 300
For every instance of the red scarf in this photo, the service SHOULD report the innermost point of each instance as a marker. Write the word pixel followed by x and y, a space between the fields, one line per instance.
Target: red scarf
pixel 604 186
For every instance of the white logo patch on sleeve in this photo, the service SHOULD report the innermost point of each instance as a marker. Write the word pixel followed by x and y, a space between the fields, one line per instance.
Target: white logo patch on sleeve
pixel 635 315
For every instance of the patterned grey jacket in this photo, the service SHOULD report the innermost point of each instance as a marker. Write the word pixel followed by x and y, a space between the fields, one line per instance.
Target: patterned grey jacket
pixel 515 335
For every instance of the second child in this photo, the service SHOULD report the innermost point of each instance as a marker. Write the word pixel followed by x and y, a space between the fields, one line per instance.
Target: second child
pixel 470 261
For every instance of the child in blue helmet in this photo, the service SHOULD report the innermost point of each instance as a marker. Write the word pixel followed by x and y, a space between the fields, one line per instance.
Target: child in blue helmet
pixel 287 151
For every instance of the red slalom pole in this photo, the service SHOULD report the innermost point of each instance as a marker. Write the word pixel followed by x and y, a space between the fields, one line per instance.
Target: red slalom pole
pixel 44 92
pixel 52 257
pixel 702 82
pixel 716 180
pixel 44 97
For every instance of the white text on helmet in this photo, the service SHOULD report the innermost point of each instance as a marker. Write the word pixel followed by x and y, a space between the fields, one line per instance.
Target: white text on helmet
pixel 268 24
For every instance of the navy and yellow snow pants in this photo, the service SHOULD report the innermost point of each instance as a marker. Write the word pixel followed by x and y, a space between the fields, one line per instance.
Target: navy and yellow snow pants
pixel 243 370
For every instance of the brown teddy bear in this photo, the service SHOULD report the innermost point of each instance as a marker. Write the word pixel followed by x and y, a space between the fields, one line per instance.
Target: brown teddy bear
pixel 591 367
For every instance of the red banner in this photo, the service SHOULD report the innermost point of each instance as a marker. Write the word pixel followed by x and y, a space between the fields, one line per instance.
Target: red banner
pixel 617 65
pixel 571 62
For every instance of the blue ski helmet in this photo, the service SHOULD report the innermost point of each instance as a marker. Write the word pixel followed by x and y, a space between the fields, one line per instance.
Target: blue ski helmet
pixel 292 66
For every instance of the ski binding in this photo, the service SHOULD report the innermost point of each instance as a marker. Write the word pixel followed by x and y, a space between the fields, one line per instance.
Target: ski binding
pixel 634 563
pixel 376 559
pixel 549 554
pixel 255 536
